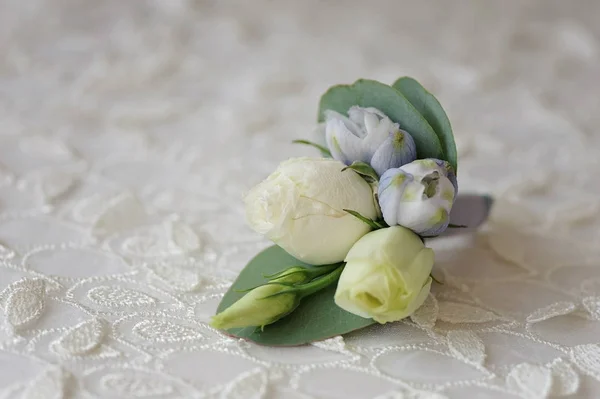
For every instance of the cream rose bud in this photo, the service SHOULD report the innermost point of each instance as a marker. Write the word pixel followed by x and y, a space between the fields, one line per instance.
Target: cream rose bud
pixel 301 206
pixel 387 275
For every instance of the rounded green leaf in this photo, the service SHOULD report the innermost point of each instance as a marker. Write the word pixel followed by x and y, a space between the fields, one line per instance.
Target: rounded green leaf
pixel 433 112
pixel 317 317
pixel 370 93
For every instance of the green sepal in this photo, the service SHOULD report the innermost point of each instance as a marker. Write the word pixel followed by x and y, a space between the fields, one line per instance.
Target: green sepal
pixel 267 283
pixel 365 170
pixel 304 290
pixel 324 151
pixel 375 225
pixel 280 273
pixel 310 273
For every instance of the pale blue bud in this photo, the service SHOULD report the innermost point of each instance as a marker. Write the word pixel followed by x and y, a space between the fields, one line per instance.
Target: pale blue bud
pixel 397 150
pixel 369 136
pixel 418 196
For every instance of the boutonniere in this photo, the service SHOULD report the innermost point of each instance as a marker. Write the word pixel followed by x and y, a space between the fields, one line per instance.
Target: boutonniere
pixel 350 226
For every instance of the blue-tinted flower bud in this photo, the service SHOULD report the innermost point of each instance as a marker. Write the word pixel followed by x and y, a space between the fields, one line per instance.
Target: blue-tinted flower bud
pixel 418 196
pixel 369 136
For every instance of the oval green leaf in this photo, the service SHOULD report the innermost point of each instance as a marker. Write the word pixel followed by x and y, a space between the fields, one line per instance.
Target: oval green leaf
pixel 432 111
pixel 370 93
pixel 317 317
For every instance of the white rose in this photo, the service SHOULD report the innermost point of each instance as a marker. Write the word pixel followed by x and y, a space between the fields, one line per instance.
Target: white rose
pixel 301 206
pixel 387 275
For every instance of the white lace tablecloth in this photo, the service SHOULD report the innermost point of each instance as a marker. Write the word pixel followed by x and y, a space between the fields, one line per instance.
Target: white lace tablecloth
pixel 129 130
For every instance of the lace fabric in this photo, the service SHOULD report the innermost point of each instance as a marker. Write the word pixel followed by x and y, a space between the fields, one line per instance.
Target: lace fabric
pixel 129 131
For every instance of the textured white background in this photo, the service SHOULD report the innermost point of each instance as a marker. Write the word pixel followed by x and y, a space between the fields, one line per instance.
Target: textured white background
pixel 129 130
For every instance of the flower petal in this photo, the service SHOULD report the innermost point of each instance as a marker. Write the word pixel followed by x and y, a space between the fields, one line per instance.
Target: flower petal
pixel 397 150
pixel 421 216
pixel 449 171
pixel 436 230
pixel 376 126
pixel 365 118
pixel 391 188
pixel 356 129
pixel 342 143
pixel 422 167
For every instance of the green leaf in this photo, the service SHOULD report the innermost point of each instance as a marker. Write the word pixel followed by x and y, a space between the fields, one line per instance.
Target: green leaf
pixel 317 317
pixel 370 93
pixel 363 169
pixel 433 112
pixel 324 151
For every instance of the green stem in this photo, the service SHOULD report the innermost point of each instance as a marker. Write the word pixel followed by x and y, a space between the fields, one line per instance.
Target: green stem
pixel 323 282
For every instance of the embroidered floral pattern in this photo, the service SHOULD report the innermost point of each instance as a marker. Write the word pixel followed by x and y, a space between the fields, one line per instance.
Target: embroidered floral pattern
pixel 128 131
